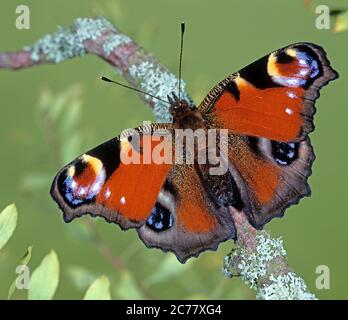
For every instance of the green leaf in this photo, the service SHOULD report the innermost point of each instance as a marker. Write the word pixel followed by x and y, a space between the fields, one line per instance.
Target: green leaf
pixel 45 278
pixel 169 268
pixel 81 277
pixel 341 22
pixel 99 290
pixel 128 288
pixel 24 261
pixel 11 290
pixel 27 256
pixel 8 222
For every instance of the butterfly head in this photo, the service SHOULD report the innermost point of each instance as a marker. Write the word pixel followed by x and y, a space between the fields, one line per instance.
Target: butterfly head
pixel 184 116
pixel 178 106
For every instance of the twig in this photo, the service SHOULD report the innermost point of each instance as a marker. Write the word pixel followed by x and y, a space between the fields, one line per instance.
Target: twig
pixel 262 263
pixel 97 36
pixel 258 258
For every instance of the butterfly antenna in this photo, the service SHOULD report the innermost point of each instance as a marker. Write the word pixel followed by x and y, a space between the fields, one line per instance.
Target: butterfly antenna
pixel 180 58
pixel 131 88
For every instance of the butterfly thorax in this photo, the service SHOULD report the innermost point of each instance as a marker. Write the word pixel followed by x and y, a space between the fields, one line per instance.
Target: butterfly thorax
pixel 186 117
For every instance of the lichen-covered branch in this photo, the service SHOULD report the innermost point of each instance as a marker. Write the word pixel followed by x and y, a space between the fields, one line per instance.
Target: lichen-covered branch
pixel 257 257
pixel 99 37
pixel 261 262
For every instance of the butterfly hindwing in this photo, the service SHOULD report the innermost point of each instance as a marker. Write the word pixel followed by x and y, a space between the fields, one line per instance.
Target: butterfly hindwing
pixel 185 219
pixel 271 175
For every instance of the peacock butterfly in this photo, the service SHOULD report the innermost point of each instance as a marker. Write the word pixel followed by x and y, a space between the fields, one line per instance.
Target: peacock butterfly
pixel 267 108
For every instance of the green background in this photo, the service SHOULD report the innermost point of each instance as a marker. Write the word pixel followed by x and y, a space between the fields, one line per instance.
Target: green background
pixel 221 37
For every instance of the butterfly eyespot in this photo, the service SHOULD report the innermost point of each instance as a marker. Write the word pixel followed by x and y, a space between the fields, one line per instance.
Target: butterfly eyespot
pixel 160 219
pixel 294 67
pixel 284 153
pixel 82 181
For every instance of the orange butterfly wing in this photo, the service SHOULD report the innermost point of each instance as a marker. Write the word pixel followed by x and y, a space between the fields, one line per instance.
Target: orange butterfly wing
pixel 268 108
pixel 274 96
pixel 99 183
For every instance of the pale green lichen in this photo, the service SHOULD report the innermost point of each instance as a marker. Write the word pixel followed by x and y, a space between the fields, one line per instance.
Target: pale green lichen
pixel 113 41
pixel 67 43
pixel 285 287
pixel 256 268
pixel 160 83
pixel 226 267
pixel 254 265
